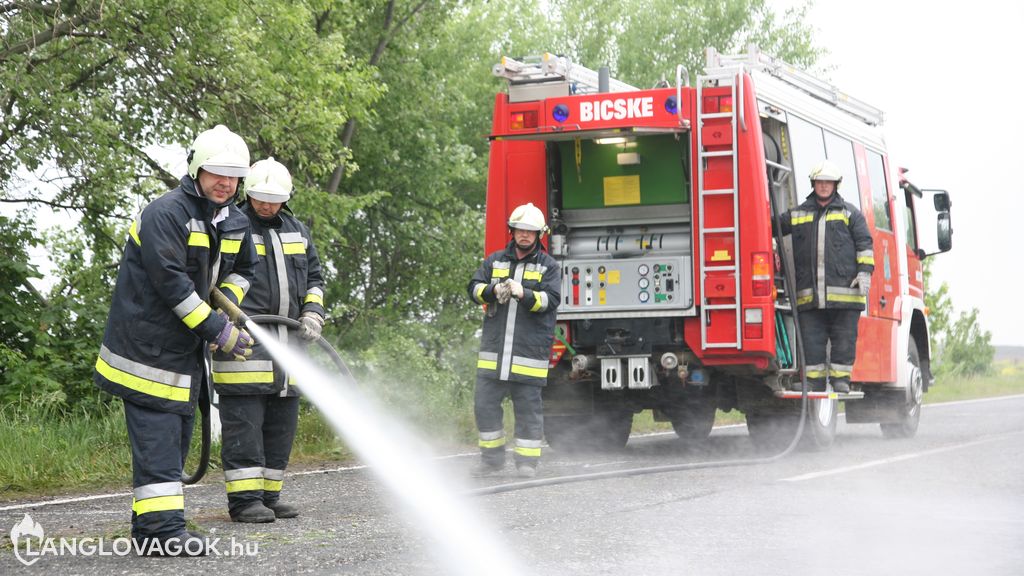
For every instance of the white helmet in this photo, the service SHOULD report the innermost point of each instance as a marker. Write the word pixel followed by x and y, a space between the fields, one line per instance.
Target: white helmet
pixel 528 217
pixel 269 181
pixel 828 171
pixel 219 151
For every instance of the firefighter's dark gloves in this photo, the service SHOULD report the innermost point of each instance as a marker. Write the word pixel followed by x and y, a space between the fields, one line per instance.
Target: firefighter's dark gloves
pixel 862 281
pixel 234 341
pixel 312 326
pixel 502 292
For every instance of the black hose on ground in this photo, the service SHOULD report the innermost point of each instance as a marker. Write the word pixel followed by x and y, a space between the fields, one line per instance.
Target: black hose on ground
pixel 204 395
pixel 790 283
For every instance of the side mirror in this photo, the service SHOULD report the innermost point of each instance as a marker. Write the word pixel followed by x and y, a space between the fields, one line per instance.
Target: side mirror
pixel 944 231
pixel 932 212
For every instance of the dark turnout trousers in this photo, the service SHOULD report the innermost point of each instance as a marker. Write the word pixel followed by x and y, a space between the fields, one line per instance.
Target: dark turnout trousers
pixel 160 442
pixel 257 432
pixel 529 420
pixel 818 328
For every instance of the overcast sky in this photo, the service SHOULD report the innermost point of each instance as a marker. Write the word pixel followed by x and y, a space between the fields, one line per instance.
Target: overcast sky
pixel 950 82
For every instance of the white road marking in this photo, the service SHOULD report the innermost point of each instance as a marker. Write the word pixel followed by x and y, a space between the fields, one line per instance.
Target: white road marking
pixel 900 458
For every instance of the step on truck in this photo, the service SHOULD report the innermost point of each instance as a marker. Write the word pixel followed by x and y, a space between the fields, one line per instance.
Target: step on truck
pixel 674 297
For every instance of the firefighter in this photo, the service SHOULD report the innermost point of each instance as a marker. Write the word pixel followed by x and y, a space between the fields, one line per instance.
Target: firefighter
pixel 833 260
pixel 183 244
pixel 259 406
pixel 520 286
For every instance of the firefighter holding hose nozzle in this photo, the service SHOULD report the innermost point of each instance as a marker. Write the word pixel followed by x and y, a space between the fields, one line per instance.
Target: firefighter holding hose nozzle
pixel 159 326
pixel 521 285
pixel 259 405
pixel 833 259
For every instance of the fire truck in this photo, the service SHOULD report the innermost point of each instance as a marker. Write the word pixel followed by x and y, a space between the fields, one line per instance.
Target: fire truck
pixel 675 297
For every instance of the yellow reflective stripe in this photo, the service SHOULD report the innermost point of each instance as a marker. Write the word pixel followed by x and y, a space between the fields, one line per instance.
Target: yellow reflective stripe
pixel 272 485
pixel 801 219
pixel 815 373
pixel 538 302
pixel 492 443
pixel 196 317
pixel 839 373
pixel 532 275
pixel 134 232
pixel 158 504
pixel 230 246
pixel 293 248
pixel 529 371
pixel 846 298
pixel 261 249
pixel 487 364
pixel 138 384
pixel 804 299
pixel 499 273
pixel 243 377
pixel 236 290
pixel 866 260
pixel 313 298
pixel 243 485
pixel 837 216
pixel 478 292
pixel 199 239
pixel 531 452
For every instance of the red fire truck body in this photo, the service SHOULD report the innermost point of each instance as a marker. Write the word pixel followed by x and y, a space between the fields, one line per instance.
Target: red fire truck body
pixel 661 205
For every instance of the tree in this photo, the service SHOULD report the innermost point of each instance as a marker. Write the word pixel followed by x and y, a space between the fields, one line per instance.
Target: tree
pixel 960 345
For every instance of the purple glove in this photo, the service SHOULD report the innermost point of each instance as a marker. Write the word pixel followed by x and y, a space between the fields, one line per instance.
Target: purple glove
pixel 234 341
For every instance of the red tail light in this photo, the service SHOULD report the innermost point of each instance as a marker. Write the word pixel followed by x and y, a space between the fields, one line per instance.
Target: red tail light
pixel 523 120
pixel 761 274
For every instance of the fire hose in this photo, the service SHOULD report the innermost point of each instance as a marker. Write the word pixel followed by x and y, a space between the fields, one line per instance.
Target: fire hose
pixel 239 317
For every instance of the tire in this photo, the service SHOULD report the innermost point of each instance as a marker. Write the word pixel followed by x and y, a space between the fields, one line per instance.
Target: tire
pixel 909 408
pixel 693 416
pixel 772 431
pixel 603 430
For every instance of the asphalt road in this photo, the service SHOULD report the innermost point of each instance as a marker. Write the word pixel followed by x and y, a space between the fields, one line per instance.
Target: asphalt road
pixel 950 501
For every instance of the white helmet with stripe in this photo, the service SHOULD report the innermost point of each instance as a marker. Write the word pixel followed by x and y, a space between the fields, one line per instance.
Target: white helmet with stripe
pixel 269 181
pixel 528 217
pixel 219 151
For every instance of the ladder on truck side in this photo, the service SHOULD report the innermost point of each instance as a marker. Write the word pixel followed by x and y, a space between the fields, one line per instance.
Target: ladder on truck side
pixel 729 312
pixel 537 76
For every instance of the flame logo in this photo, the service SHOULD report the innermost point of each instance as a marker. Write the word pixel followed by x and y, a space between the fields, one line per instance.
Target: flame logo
pixel 25 529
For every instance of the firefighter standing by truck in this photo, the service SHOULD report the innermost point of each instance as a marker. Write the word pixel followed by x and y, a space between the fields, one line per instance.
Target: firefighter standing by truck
pixel 833 260
pixel 183 244
pixel 521 287
pixel 259 407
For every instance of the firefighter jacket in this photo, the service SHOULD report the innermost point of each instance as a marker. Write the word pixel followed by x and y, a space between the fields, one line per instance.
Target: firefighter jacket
pixel 287 283
pixel 516 340
pixel 178 248
pixel 831 244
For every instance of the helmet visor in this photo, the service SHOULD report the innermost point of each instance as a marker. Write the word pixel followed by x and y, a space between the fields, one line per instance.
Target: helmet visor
pixel 230 171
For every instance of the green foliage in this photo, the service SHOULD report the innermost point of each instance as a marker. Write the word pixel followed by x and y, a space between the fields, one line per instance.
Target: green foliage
pixel 960 345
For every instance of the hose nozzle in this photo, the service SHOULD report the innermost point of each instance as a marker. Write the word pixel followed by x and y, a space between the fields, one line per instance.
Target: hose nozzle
pixel 234 312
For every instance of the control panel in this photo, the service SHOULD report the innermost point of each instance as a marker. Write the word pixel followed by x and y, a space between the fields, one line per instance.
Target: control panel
pixel 656 283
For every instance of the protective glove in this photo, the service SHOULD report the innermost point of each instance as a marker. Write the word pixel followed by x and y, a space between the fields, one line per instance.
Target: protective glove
pixel 862 281
pixel 312 326
pixel 233 340
pixel 502 292
pixel 516 288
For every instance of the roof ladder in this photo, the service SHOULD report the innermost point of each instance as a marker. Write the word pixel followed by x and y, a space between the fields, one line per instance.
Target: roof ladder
pixel 720 312
pixel 553 70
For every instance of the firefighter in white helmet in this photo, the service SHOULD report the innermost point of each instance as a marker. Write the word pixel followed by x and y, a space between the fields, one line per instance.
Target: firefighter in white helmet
pixel 160 325
pixel 833 260
pixel 520 285
pixel 259 405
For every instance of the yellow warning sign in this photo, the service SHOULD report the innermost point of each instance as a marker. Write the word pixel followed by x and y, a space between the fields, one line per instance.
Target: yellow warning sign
pixel 613 277
pixel 621 190
pixel 601 296
pixel 720 256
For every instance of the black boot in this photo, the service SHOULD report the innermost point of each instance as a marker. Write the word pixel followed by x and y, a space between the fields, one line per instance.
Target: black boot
pixel 282 510
pixel 255 513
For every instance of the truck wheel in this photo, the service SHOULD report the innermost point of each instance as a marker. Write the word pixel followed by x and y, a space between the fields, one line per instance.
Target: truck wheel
pixel 693 416
pixel 602 430
pixel 909 411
